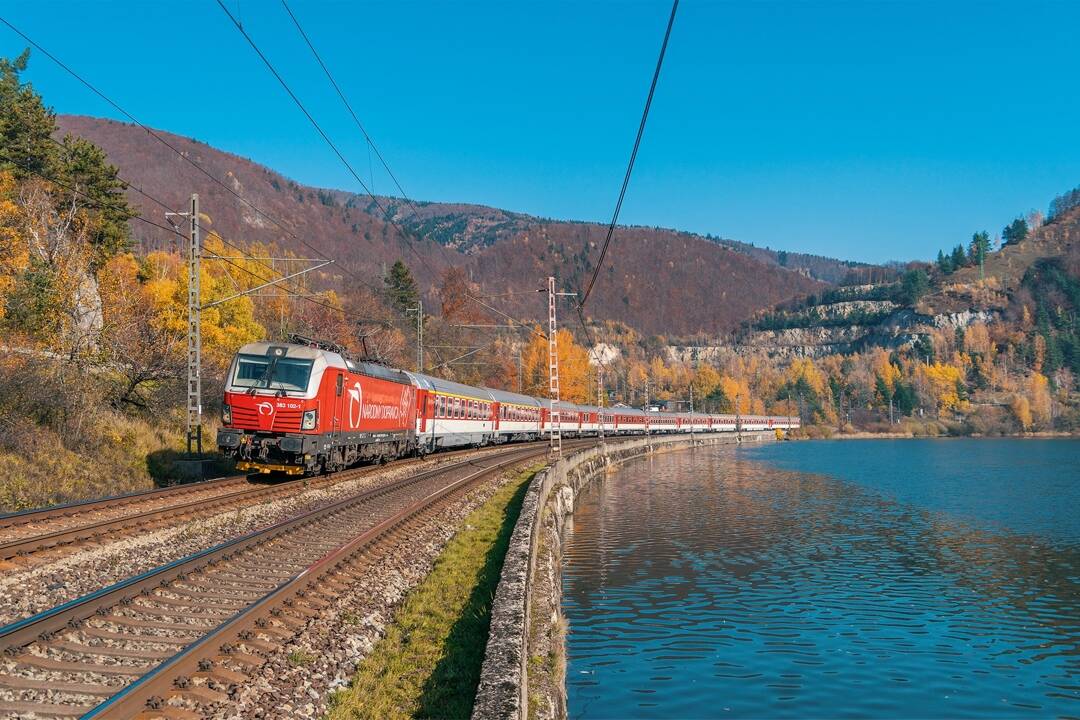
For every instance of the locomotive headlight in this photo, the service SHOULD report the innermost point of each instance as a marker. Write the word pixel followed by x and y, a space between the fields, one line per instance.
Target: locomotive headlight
pixel 226 415
pixel 310 418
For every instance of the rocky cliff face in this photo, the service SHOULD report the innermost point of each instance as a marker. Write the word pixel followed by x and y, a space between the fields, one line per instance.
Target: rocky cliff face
pixel 901 328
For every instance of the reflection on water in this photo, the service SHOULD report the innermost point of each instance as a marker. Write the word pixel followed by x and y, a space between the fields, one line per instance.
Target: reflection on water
pixel 707 584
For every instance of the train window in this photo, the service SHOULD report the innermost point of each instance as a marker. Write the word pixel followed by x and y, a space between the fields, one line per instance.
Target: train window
pixel 340 384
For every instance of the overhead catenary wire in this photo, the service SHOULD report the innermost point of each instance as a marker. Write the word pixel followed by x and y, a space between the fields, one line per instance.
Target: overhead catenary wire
pixel 356 120
pixel 184 156
pixel 161 203
pixel 633 156
pixel 91 202
pixel 175 150
pixel 326 138
pixel 385 212
pixel 156 135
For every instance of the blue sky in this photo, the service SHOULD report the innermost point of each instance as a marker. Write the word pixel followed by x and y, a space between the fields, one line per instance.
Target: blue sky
pixel 862 130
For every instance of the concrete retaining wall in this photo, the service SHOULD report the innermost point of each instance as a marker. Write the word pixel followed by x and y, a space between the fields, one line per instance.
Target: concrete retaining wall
pixel 504 691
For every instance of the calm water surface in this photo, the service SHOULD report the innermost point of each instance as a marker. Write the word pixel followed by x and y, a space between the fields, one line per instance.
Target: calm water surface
pixel 830 579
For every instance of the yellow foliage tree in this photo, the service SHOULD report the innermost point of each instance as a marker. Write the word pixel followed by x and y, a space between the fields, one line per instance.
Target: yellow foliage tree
pixel 943 380
pixel 705 381
pixel 574 368
pixel 225 327
pixel 1039 392
pixel 1021 410
pixel 14 253
pixel 884 369
pixel 977 340
pixel 736 390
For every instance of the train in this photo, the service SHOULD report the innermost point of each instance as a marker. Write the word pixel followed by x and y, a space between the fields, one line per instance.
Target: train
pixel 305 407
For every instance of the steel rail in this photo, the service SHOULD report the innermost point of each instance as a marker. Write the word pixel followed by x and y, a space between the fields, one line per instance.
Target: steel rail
pixel 148 690
pixel 30 544
pixel 44 514
pixel 46 626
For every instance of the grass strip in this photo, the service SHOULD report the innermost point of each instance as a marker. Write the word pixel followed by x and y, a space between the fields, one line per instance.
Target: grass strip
pixel 428 663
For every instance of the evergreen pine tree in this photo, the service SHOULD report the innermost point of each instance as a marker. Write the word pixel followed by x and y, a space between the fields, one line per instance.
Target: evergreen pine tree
pixel 401 288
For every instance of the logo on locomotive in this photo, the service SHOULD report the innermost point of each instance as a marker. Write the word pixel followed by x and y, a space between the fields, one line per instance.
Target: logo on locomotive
pixel 356 405
pixel 265 408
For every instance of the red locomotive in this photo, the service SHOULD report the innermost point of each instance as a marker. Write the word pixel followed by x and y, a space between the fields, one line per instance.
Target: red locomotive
pixel 300 409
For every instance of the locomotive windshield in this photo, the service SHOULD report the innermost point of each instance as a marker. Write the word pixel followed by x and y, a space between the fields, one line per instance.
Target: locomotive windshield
pixel 281 373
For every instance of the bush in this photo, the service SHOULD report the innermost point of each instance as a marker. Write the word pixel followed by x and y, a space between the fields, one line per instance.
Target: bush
pixel 61 441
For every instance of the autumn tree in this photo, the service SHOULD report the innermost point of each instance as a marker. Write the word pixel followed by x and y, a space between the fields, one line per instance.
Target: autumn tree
pixel 142 347
pixel 575 375
pixel 454 291
pixel 1039 394
pixel 945 382
pixel 1021 410
pixel 80 177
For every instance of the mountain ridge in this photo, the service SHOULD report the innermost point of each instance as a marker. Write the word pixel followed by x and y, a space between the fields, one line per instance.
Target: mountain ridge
pixel 658 281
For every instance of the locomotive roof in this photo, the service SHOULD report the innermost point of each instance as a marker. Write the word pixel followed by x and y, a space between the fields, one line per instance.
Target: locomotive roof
pixel 332 359
pixel 379 371
pixel 302 352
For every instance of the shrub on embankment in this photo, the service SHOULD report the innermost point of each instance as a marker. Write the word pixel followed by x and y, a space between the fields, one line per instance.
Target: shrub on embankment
pixel 62 440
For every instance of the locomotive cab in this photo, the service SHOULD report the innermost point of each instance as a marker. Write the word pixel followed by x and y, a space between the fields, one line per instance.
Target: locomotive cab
pixel 270 417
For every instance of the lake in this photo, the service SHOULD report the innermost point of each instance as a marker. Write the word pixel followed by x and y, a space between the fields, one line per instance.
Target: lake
pixel 877 578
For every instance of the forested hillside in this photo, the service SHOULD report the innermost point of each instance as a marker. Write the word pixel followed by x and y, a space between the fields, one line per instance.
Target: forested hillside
pixel 714 285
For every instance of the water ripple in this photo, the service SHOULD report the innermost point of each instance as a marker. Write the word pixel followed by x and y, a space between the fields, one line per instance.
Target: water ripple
pixel 706 584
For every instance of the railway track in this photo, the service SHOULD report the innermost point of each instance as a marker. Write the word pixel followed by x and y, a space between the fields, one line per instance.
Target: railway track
pixel 34 536
pixel 56 525
pixel 180 638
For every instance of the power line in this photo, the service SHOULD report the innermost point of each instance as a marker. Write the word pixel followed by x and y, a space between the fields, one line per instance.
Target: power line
pixel 387 215
pixel 161 203
pixel 326 138
pixel 149 130
pixel 356 120
pixel 92 202
pixel 172 230
pixel 633 155
pixel 167 144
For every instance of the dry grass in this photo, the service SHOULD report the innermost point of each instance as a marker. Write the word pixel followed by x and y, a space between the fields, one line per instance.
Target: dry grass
pixel 428 664
pixel 45 471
